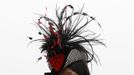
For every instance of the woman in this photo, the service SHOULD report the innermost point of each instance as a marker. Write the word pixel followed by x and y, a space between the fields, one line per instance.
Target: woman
pixel 65 44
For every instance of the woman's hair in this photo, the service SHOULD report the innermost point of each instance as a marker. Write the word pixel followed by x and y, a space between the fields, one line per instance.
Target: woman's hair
pixel 80 67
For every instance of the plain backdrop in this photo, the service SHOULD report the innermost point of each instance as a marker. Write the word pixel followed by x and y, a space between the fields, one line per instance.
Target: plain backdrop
pixel 16 23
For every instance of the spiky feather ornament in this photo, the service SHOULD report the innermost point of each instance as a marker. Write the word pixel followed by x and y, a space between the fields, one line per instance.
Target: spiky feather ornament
pixel 63 40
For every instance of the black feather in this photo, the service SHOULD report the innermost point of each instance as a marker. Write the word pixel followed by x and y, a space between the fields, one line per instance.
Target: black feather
pixel 65 30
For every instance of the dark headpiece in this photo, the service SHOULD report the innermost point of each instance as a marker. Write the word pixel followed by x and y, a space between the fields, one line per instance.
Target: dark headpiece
pixel 63 41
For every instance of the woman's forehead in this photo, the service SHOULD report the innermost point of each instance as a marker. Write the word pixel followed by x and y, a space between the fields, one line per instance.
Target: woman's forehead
pixel 68 71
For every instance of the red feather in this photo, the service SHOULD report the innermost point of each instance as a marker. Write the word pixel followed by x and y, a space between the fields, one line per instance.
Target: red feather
pixel 57 61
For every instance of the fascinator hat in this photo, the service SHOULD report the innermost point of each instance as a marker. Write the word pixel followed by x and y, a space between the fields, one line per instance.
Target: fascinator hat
pixel 63 40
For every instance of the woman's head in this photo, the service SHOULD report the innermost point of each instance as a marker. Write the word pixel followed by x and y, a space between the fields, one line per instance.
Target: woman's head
pixel 76 68
pixel 75 64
